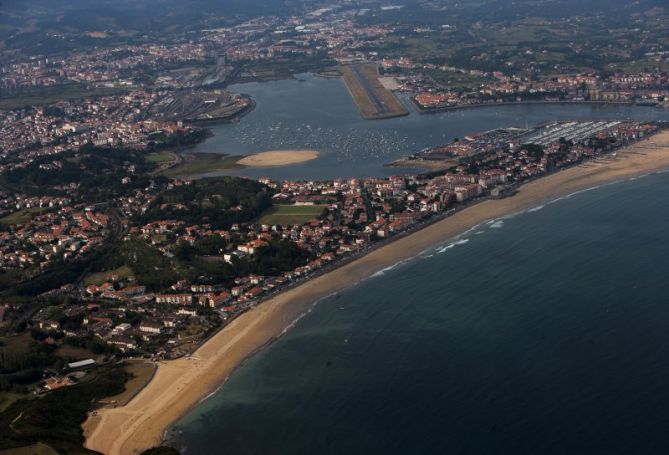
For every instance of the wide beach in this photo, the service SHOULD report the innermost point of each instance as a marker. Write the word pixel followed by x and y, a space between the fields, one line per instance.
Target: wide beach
pixel 181 384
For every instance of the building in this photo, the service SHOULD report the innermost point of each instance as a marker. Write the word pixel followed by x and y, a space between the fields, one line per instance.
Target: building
pixel 49 325
pixel 175 299
pixel 81 364
pixel 467 192
pixel 151 327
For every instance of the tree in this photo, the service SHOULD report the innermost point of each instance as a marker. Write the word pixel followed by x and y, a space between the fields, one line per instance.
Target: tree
pixel 535 150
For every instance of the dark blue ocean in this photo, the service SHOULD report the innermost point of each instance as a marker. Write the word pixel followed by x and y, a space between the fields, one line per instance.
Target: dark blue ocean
pixel 546 332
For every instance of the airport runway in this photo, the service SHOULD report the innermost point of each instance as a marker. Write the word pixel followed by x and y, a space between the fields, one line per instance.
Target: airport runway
pixel 379 106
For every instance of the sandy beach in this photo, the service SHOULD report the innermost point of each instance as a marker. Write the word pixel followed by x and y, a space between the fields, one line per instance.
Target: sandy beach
pixel 181 384
pixel 273 158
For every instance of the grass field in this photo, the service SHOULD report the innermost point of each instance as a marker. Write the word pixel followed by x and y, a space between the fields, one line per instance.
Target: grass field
pixel 35 449
pixel 158 238
pixel 290 214
pixel 202 163
pixel 160 157
pixel 21 216
pixel 121 273
pixel 73 353
pixel 142 372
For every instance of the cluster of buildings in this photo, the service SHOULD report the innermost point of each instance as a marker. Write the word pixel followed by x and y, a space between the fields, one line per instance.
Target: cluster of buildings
pixel 329 31
pixel 54 231
pixel 116 66
pixel 495 88
pixel 521 154
pixel 110 121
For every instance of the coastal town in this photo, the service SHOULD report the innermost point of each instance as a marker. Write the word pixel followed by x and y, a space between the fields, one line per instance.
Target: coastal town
pixel 204 284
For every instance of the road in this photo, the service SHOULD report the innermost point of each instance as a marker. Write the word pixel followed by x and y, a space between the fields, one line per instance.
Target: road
pixel 116 231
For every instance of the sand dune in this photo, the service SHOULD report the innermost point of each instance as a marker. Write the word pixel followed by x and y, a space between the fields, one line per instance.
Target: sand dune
pixel 180 384
pixel 278 158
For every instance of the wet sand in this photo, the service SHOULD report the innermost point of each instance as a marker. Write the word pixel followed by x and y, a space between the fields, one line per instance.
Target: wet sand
pixel 181 384
pixel 273 158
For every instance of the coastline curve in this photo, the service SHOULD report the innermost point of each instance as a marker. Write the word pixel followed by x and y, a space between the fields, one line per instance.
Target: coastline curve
pixel 181 384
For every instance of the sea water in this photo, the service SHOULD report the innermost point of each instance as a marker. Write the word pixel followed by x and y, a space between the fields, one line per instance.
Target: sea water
pixel 546 332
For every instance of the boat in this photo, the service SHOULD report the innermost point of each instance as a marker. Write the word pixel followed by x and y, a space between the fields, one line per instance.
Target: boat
pixel 647 103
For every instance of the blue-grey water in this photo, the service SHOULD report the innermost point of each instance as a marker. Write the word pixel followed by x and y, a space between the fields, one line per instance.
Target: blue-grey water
pixel 546 332
pixel 319 114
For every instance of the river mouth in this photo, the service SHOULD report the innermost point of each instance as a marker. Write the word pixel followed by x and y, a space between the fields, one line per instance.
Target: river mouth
pixel 319 114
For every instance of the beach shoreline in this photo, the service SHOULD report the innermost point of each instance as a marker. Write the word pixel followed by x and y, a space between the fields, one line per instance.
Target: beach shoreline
pixel 181 384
